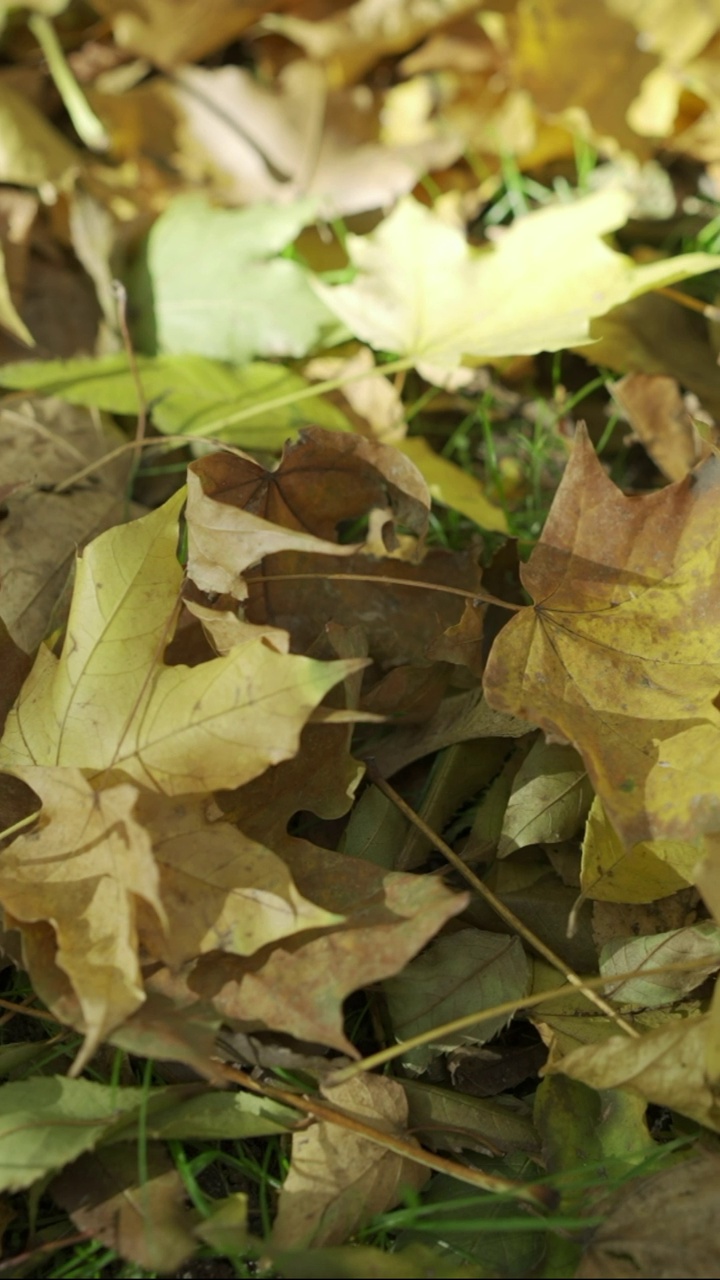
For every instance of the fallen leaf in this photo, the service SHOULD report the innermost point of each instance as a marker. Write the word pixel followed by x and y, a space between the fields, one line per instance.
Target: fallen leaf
pixel 665 1066
pixel 211 282
pixel 220 890
pixel 171 32
pixel 296 138
pixel 448 1120
pixel 614 872
pixel 44 443
pixel 48 1121
pixel 619 653
pixel 239 512
pixel 454 487
pixel 657 413
pixel 338 1179
pixel 143 1217
pixel 549 799
pixel 459 718
pixel 109 703
pixel 693 943
pixel 82 870
pixel 423 293
pixel 659 1226
pixel 462 972
pixel 300 987
pixel 359 35
pixel 564 57
pixel 187 394
pixel 33 153
pixel 363 1262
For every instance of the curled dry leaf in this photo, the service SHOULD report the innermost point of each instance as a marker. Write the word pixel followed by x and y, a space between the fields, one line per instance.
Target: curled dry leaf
pixel 83 870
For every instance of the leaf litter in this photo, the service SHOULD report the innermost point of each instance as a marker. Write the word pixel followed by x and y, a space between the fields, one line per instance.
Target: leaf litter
pixel 347 251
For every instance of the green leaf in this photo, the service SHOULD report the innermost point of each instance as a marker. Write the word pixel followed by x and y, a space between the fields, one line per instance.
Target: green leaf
pixel 187 394
pixel 218 1116
pixel 49 1121
pixel 465 971
pixel 422 292
pixel 550 798
pixel 209 282
pixel 446 1120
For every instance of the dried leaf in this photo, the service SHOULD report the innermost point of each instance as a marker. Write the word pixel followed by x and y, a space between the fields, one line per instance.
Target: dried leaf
pixel 549 799
pixel 619 655
pixel 693 943
pixel 614 872
pixel 338 1179
pixel 109 703
pixel 144 1219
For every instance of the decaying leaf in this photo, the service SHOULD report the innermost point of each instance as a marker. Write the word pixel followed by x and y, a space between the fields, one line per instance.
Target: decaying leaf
pixel 619 653
pixel 659 1226
pixel 337 1179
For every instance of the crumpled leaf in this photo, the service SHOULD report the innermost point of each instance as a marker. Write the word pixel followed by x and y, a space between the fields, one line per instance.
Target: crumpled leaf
pixel 145 1218
pixel 422 292
pixel 620 654
pixel 338 1179
pixel 186 393
pixel 109 703
pixel 693 943
pixel 210 282
pixel 82 870
pixel 462 972
pixel 239 512
pixel 549 799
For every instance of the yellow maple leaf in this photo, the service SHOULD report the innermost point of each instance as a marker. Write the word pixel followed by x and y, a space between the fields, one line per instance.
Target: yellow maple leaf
pixel 110 704
pixel 620 654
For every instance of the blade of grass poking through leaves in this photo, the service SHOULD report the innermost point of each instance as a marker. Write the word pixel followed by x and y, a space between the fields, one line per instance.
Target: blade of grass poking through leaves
pixel 541 1197
pixel 497 905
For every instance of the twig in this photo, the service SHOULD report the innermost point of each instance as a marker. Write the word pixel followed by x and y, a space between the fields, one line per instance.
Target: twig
pixel 497 904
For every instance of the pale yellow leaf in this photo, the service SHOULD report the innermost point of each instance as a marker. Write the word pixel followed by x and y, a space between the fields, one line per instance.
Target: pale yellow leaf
pixel 422 292
pixel 82 870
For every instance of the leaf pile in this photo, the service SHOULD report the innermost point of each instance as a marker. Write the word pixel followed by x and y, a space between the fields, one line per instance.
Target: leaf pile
pixel 302 765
